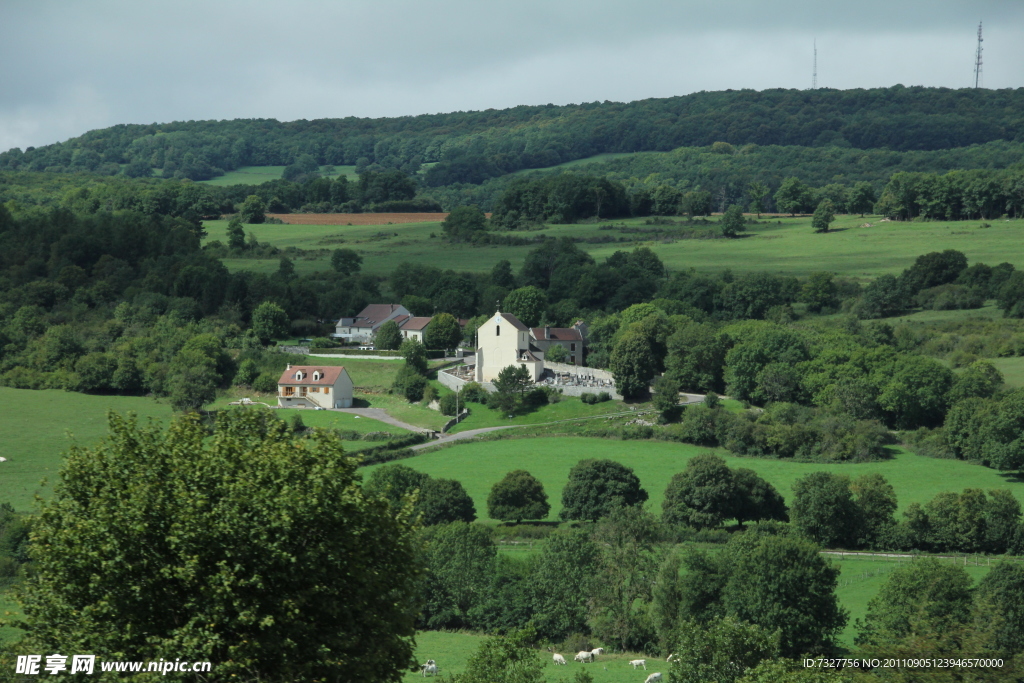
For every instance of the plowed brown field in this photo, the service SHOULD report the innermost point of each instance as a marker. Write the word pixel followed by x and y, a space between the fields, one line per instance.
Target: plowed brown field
pixel 357 218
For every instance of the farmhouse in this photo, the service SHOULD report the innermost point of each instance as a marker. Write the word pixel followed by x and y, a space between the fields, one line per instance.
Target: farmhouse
pixel 309 386
pixel 414 327
pixel 362 327
pixel 572 339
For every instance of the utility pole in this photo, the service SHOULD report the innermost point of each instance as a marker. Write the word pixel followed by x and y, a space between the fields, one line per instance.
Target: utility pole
pixel 977 61
pixel 814 78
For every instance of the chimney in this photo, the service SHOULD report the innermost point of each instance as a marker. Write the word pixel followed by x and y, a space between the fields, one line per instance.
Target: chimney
pixel 289 367
pixel 547 333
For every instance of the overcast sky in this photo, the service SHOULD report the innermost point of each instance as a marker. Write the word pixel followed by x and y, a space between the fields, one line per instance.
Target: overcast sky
pixel 68 66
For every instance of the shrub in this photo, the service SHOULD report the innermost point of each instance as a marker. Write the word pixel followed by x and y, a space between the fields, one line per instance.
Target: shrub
pixel 472 391
pixel 410 384
pixel 602 397
pixel 535 398
pixel 429 394
pixel 588 398
pixel 448 404
pixel 266 383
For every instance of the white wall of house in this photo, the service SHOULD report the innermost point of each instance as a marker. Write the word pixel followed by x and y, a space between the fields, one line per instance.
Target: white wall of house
pixel 501 345
pixel 338 395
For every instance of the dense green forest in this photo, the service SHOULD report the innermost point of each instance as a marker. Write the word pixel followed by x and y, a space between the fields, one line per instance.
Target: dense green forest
pixel 470 147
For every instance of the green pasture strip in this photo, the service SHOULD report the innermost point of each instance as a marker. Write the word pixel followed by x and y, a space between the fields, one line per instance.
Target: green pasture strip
pixel 570 407
pixel 452 650
pixel 36 424
pixel 1012 369
pixel 479 465
pixel 990 311
pixel 862 248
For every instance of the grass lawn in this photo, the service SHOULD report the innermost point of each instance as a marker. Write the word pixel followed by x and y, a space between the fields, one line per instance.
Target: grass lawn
pixel 451 651
pixel 9 609
pixel 862 578
pixel 256 175
pixel 1012 369
pixel 857 247
pixel 34 443
pixel 568 408
pixel 479 465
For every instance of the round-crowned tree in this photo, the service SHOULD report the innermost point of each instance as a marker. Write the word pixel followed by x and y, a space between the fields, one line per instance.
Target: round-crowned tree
pixel 518 496
pixel 702 495
pixel 824 510
pixel 241 532
pixel 388 337
pixel 596 487
pixel 444 500
pixel 443 332
pixel 269 321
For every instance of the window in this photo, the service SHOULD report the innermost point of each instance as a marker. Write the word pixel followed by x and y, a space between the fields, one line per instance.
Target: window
pixel 572 347
pixel 497 330
pixel 327 390
pixel 315 390
pixel 572 359
pixel 302 391
pixel 288 391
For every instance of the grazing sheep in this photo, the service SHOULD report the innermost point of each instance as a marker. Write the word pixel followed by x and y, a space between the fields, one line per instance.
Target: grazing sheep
pixel 559 659
pixel 672 657
pixel 430 667
pixel 654 678
pixel 639 662
pixel 584 656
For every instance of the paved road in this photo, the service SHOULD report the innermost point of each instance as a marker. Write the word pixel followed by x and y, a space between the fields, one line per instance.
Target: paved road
pixel 459 436
pixel 380 414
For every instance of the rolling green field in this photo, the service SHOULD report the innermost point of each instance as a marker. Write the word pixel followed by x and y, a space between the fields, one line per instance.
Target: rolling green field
pixel 36 426
pixel 1012 369
pixel 480 465
pixel 858 247
pixel 568 408
pixel 256 175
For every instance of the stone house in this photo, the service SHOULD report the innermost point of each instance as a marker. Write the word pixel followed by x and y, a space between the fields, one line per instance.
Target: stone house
pixel 363 326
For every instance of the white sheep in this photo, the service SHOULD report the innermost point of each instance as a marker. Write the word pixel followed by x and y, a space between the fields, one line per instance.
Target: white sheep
pixel 597 651
pixel 638 662
pixel 584 656
pixel 559 659
pixel 672 657
pixel 654 678
pixel 430 667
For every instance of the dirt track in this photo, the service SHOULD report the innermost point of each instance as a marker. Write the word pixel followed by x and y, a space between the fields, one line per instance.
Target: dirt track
pixel 357 218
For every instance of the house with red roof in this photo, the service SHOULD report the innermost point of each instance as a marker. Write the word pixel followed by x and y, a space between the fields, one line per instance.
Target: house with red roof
pixel 313 386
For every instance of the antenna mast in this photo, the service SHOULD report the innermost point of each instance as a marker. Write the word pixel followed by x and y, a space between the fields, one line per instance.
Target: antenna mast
pixel 814 78
pixel 977 61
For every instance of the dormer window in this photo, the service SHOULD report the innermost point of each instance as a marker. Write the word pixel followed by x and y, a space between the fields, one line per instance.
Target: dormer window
pixel 299 375
pixel 316 376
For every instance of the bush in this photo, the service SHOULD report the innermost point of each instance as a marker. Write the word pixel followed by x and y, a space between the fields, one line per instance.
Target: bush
pixel 429 394
pixel 535 398
pixel 448 404
pixel 266 383
pixel 603 396
pixel 588 398
pixel 410 384
pixel 472 391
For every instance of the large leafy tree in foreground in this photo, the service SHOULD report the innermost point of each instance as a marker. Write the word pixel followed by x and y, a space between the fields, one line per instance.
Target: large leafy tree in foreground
pixel 249 549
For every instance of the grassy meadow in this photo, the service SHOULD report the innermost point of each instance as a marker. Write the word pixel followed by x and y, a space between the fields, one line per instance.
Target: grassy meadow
pixel 34 445
pixel 479 465
pixel 858 247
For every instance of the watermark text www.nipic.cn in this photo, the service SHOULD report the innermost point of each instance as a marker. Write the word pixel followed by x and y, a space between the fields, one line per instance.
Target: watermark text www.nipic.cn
pixel 86 664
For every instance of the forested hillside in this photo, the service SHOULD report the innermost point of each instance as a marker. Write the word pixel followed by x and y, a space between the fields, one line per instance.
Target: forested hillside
pixel 473 146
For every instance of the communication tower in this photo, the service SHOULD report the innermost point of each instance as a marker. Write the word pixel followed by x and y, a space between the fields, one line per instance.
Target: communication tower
pixel 814 78
pixel 977 61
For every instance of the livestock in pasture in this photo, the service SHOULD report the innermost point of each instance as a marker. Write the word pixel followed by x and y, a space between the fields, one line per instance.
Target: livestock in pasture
pixel 597 651
pixel 430 667
pixel 559 659
pixel 584 656
pixel 654 678
pixel 638 662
